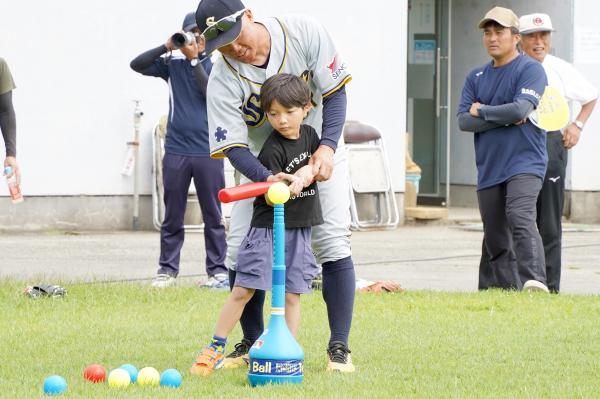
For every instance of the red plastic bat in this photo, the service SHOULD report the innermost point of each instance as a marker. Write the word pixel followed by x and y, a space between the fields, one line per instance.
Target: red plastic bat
pixel 243 191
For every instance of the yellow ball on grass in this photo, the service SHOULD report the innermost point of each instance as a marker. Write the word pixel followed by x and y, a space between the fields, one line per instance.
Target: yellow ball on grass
pixel 148 376
pixel 119 378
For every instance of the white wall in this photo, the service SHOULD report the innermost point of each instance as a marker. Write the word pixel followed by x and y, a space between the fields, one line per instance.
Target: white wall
pixel 585 167
pixel 70 61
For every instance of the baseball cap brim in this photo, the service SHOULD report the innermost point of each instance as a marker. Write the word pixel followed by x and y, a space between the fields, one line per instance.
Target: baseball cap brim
pixel 224 38
pixel 486 20
pixel 533 30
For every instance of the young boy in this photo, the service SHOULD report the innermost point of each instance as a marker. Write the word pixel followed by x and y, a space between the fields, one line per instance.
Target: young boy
pixel 285 99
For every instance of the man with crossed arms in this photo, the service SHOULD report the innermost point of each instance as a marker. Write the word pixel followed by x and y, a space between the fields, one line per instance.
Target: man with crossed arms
pixel 536 41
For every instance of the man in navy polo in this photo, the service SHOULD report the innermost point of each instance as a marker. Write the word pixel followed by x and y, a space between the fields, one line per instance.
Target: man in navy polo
pixel 187 157
pixel 510 152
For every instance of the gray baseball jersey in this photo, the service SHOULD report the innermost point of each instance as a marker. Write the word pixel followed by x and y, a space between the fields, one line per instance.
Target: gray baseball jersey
pixel 300 46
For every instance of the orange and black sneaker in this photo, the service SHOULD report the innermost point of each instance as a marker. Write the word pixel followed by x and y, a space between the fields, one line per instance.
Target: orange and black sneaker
pixel 339 358
pixel 208 360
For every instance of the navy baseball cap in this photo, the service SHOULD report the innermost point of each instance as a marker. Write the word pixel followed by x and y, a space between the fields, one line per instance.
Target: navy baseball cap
pixel 220 22
pixel 189 22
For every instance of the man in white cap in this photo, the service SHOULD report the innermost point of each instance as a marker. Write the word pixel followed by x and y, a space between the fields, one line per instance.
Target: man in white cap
pixel 510 152
pixel 536 33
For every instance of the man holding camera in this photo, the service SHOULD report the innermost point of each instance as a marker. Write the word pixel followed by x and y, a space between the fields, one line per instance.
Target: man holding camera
pixel 187 153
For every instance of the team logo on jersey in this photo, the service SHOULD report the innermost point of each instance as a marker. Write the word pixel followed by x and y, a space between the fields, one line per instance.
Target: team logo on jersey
pixel 253 114
pixel 308 76
pixel 336 67
pixel 220 134
pixel 333 64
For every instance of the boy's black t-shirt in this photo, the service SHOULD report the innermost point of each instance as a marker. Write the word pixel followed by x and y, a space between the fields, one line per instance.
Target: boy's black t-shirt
pixel 280 154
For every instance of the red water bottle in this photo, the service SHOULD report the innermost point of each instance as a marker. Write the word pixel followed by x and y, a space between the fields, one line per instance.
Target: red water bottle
pixel 13 187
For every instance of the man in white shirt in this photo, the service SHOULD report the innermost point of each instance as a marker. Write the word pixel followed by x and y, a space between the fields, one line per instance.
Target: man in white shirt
pixel 536 41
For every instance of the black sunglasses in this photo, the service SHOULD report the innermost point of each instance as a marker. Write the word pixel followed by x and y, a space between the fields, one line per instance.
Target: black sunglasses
pixel 222 25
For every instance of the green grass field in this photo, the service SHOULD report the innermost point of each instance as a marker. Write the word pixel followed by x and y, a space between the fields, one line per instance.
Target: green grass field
pixel 415 344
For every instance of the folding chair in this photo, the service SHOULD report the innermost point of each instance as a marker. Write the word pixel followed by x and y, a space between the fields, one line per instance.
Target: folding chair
pixel 372 198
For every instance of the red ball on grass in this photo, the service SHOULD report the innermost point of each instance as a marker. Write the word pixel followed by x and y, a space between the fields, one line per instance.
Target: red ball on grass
pixel 95 373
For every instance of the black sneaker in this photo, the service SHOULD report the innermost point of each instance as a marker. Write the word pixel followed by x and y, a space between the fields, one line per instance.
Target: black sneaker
pixel 239 356
pixel 339 358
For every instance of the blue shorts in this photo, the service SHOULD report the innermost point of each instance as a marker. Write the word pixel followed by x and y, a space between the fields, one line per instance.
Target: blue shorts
pixel 255 260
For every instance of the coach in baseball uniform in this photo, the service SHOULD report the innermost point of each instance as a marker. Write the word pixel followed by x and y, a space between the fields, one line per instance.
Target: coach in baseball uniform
pixel 252 51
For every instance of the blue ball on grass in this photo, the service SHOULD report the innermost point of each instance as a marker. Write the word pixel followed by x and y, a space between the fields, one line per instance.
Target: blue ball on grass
pixel 170 378
pixel 54 385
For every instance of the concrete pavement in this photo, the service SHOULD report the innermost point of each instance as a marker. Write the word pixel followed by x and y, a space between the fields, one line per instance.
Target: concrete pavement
pixel 435 257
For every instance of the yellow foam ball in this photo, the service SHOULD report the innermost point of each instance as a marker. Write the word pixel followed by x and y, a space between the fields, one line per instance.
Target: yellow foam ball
pixel 119 378
pixel 148 376
pixel 278 193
